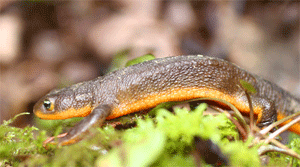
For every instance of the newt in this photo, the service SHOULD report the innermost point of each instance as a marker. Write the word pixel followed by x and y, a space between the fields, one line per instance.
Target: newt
pixel 145 85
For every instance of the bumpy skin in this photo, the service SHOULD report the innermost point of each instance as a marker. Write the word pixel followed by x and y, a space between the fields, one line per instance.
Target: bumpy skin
pixel 147 84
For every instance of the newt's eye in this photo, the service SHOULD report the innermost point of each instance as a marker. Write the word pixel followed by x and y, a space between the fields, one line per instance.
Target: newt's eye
pixel 48 105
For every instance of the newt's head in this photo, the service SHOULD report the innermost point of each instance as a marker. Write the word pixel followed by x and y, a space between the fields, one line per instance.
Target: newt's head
pixel 63 104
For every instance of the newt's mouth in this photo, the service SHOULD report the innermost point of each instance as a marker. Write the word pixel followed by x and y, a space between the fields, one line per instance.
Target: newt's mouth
pixel 69 113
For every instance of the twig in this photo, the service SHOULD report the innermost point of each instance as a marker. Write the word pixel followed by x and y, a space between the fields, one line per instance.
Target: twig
pixel 270 127
pixel 270 148
pixel 252 124
pixel 283 128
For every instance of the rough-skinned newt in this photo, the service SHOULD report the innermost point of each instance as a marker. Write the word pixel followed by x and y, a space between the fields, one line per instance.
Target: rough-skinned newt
pixel 145 85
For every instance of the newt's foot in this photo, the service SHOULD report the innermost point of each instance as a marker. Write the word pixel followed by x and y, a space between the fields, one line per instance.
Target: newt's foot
pixel 50 139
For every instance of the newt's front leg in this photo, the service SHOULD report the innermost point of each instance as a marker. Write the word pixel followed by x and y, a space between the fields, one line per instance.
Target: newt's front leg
pixel 96 118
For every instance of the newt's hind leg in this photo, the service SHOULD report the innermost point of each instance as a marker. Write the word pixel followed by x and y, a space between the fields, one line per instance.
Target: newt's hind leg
pixel 268 114
pixel 96 118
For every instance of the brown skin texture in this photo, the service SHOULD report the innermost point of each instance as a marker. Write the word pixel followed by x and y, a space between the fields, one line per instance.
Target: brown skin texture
pixel 145 85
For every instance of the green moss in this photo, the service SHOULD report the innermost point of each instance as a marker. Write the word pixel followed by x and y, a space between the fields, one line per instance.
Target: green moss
pixel 17 143
pixel 295 145
pixel 166 139
pixel 241 154
pixel 54 127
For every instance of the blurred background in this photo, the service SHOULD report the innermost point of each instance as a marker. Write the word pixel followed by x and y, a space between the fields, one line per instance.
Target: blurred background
pixel 44 45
